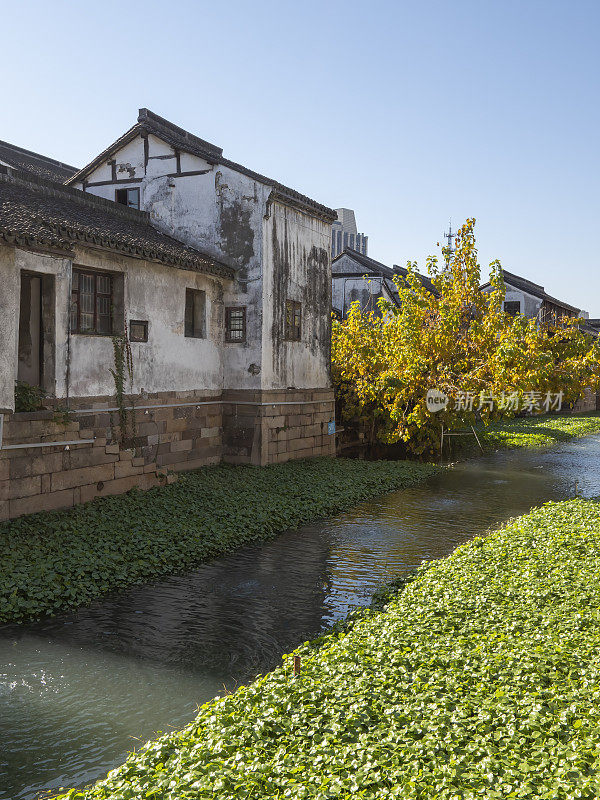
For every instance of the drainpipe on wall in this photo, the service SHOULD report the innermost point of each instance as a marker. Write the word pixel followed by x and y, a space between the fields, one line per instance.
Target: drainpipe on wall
pixel 1 428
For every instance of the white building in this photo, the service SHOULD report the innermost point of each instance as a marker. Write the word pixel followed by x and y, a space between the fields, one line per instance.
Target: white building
pixel 356 277
pixel 220 276
pixel 531 300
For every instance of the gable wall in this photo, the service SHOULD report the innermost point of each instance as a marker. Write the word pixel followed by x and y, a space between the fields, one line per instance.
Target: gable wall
pixel 221 212
pixel 530 305
pixel 346 290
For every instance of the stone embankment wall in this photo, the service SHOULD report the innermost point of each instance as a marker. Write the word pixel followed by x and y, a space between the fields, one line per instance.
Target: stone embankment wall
pixel 166 433
pixel 589 401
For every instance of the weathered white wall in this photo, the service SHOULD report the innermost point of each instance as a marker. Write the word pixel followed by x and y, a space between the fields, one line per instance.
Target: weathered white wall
pixel 220 212
pixel 9 327
pixel 169 361
pixel 297 267
pixel 285 256
pixel 529 305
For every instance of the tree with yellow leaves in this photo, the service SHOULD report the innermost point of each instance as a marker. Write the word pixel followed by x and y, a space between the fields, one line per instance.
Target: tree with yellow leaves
pixel 458 341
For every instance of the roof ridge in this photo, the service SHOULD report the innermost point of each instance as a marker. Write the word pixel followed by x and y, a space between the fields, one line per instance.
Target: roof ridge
pixel 47 159
pixel 149 122
pixel 521 278
pixel 51 187
pixel 352 252
pixel 150 119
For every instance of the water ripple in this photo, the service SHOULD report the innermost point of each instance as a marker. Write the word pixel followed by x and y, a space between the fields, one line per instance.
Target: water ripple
pixel 80 690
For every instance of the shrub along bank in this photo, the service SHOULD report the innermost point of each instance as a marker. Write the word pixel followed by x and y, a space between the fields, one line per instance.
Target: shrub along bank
pixel 539 431
pixel 58 560
pixel 481 679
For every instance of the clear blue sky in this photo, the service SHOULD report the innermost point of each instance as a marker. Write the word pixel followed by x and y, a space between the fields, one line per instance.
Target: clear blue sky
pixel 408 112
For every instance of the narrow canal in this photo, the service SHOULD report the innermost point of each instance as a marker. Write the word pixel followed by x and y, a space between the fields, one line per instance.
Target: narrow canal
pixel 79 691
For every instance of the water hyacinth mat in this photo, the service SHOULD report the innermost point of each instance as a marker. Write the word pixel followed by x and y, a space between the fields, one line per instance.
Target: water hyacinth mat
pixel 480 679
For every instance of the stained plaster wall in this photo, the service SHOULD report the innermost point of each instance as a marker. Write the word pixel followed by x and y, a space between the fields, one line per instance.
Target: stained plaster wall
pixel 227 214
pixel 9 327
pixel 169 361
pixel 529 305
pixel 297 267
pixel 219 212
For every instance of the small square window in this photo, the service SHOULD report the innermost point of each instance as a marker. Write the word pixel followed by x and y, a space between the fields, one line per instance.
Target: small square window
pixel 128 197
pixel 235 324
pixel 138 330
pixel 195 314
pixel 293 320
pixel 512 307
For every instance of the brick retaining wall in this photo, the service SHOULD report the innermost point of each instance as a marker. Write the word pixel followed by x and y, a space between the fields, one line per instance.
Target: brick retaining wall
pixel 184 431
pixel 586 403
pixel 281 426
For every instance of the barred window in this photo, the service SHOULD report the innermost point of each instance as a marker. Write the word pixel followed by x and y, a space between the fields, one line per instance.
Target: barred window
pixel 235 324
pixel 293 320
pixel 91 303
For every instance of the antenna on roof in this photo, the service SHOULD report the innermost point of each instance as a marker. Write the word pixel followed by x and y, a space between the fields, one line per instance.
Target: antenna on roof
pixel 450 249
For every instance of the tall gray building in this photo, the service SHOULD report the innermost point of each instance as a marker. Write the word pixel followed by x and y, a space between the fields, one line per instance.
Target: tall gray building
pixel 344 234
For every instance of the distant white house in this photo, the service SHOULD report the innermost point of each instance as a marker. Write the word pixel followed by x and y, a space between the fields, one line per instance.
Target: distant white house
pixel 356 277
pixel 530 299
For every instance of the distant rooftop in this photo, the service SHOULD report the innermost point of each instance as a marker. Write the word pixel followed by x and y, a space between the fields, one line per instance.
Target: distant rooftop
pixel 534 289
pixel 373 267
pixel 35 163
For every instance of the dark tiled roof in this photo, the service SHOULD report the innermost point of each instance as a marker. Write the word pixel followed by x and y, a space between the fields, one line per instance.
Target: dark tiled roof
pixel 427 283
pixel 376 267
pixel 534 289
pixel 38 213
pixel 180 139
pixel 369 264
pixel 36 164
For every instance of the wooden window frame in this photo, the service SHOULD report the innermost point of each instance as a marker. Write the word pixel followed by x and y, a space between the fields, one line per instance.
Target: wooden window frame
pixel 128 189
pixel 228 328
pixel 293 329
pixel 144 323
pixel 75 302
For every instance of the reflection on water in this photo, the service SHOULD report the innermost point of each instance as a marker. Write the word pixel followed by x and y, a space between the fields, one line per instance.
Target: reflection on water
pixel 78 691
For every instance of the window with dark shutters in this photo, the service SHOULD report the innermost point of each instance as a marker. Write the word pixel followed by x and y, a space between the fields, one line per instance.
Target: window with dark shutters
pixel 91 302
